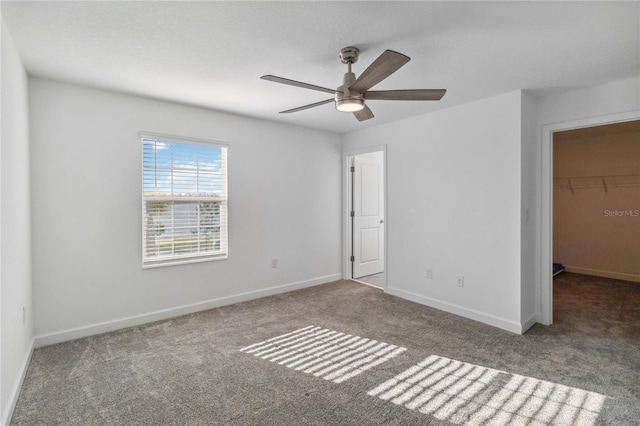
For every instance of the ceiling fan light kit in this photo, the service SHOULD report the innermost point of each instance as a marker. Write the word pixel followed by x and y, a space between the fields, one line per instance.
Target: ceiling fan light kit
pixel 351 95
pixel 349 105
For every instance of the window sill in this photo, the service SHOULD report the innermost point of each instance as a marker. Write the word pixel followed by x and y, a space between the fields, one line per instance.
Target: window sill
pixel 184 262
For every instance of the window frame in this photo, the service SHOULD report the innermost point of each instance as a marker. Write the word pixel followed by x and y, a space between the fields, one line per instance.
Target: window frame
pixel 224 206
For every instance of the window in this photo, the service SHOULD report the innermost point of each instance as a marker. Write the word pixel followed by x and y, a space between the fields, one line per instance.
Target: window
pixel 184 201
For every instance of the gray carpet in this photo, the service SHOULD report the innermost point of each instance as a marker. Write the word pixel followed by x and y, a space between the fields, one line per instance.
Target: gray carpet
pixel 347 354
pixel 376 280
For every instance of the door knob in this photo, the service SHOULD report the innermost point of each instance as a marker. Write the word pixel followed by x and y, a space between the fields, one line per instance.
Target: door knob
pixel 381 221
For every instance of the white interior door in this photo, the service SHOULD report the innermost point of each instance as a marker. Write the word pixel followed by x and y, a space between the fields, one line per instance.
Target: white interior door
pixel 368 215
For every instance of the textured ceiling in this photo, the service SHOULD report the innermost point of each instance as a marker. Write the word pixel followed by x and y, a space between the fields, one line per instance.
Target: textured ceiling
pixel 211 54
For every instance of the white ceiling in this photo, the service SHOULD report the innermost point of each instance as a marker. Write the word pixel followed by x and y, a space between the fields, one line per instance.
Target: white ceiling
pixel 212 54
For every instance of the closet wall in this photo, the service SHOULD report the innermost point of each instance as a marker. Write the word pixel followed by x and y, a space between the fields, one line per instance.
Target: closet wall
pixel 596 220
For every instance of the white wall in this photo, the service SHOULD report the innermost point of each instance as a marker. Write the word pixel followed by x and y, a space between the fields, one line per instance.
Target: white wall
pixel 454 205
pixel 605 99
pixel 16 337
pixel 285 203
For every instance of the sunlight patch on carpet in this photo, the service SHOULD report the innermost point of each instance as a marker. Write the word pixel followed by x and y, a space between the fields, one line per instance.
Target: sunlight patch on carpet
pixel 463 393
pixel 324 353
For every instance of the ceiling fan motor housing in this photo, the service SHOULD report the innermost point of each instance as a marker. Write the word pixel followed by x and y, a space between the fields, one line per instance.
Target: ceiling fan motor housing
pixel 348 100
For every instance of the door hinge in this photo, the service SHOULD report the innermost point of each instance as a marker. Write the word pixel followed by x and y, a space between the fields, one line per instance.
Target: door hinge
pixel 353 259
pixel 353 169
pixel 353 214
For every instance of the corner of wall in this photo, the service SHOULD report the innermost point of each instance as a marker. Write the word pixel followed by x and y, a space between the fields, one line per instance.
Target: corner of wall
pixel 16 330
pixel 7 412
pixel 529 295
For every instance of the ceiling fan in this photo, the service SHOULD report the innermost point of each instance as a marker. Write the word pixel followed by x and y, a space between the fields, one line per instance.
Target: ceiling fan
pixel 352 94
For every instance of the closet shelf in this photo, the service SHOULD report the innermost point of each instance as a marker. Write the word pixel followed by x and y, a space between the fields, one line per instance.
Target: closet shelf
pixel 605 182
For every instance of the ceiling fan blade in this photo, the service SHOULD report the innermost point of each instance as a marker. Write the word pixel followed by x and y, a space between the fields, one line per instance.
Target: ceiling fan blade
pixel 302 108
pixel 363 114
pixel 385 65
pixel 281 80
pixel 407 95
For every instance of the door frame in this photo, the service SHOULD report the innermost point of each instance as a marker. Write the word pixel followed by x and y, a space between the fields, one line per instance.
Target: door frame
pixel 546 201
pixel 347 231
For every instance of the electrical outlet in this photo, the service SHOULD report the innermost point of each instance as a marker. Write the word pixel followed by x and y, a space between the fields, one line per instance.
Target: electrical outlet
pixel 429 273
pixel 274 263
pixel 460 281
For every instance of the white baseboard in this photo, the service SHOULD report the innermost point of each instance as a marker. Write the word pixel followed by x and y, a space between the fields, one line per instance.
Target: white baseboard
pixel 603 274
pixel 104 327
pixel 492 320
pixel 17 386
pixel 528 323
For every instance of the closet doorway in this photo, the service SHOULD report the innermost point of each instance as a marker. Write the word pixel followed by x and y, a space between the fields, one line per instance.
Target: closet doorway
pixel 547 199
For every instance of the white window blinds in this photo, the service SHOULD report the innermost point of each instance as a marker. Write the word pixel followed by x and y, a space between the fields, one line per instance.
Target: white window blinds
pixel 184 201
